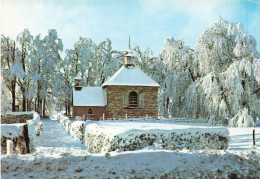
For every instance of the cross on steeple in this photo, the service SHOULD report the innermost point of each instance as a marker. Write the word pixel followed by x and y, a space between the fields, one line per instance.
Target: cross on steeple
pixel 129 43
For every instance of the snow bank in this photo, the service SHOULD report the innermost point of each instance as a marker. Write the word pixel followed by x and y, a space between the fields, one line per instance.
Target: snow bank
pixel 128 136
pixel 137 164
pixel 25 134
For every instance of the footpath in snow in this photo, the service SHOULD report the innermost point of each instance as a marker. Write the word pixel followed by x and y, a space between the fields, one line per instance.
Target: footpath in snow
pixel 58 155
pixel 55 141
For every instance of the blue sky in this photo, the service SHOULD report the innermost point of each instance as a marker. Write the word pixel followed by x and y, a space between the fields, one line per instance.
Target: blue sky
pixel 148 22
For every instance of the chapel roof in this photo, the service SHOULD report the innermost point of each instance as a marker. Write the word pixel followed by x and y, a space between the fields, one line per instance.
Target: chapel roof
pixel 89 96
pixel 130 76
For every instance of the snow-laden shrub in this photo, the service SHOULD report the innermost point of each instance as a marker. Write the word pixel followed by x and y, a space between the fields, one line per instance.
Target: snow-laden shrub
pixel 34 129
pixel 65 121
pixel 39 129
pixel 77 129
pixel 99 139
pixel 78 118
pixel 68 125
pixel 242 119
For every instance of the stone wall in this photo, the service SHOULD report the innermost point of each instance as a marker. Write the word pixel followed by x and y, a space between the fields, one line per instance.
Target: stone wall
pixel 10 119
pixel 97 112
pixel 19 134
pixel 115 102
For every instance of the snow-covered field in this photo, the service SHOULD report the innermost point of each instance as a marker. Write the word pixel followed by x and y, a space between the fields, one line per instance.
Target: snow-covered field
pixel 58 155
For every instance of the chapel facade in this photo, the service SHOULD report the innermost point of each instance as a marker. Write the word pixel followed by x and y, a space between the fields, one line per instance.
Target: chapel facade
pixel 129 93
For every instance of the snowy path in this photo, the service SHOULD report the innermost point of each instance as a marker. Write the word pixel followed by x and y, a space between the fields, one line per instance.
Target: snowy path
pixel 55 141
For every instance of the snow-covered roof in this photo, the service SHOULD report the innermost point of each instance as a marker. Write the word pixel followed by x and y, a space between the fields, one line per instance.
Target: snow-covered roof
pixel 132 76
pixel 78 77
pixel 89 96
pixel 130 54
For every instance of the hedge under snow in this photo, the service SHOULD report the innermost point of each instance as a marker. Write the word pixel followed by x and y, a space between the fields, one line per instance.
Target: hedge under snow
pixel 75 128
pixel 109 136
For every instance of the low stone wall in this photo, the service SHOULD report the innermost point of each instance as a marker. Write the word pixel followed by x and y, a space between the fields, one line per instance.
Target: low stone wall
pixel 22 128
pixel 18 133
pixel 99 141
pixel 20 118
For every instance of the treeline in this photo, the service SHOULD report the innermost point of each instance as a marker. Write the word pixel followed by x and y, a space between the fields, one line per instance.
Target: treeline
pixel 35 76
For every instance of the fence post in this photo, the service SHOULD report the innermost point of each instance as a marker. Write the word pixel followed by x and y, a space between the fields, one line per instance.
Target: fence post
pixel 9 147
pixel 253 137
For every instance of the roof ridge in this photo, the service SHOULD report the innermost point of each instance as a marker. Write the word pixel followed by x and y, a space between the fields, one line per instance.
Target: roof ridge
pixel 130 77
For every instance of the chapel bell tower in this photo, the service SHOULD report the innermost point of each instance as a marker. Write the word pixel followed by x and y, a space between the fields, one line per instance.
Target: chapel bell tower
pixel 78 83
pixel 129 59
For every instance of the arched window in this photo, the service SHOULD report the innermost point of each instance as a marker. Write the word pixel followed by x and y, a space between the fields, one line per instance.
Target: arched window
pixel 132 99
pixel 90 111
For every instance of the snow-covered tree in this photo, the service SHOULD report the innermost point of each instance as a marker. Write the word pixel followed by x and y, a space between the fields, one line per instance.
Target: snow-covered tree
pixel 9 68
pixel 180 71
pixel 105 64
pixel 24 40
pixel 229 80
pixel 49 80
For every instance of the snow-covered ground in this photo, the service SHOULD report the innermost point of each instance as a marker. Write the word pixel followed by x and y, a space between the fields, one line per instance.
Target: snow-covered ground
pixel 58 155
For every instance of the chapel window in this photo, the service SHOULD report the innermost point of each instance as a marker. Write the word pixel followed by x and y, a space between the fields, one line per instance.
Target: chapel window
pixel 90 111
pixel 132 99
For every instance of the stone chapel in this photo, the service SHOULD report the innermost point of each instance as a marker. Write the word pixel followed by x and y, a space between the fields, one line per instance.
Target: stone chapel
pixel 128 93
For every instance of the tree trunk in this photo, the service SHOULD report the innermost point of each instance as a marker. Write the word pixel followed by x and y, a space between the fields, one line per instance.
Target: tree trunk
pixel 13 84
pixel 35 105
pixel 24 99
pixel 66 108
pixel 39 107
pixel 69 108
pixel 44 106
pixel 27 102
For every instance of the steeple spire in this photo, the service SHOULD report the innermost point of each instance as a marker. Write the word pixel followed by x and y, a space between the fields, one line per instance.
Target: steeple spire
pixel 129 43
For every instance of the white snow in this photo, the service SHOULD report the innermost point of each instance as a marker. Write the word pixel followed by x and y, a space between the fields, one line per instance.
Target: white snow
pixel 131 76
pixel 128 126
pixel 15 130
pixel 12 130
pixel 89 96
pixel 242 119
pixel 242 138
pixel 58 155
pixel 34 128
pixel 78 77
pixel 106 136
